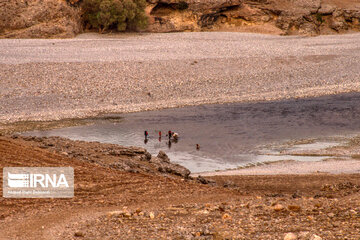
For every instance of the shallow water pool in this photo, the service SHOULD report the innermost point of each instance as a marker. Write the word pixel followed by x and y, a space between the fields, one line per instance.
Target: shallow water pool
pixel 229 135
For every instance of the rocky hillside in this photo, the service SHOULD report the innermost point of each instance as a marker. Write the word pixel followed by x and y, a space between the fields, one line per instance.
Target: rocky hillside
pixel 305 17
pixel 56 18
pixel 38 19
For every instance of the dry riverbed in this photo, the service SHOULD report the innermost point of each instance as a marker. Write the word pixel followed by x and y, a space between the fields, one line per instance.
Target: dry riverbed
pixel 74 78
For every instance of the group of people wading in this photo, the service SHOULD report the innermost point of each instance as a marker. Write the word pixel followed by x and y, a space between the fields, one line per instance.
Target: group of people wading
pixel 173 137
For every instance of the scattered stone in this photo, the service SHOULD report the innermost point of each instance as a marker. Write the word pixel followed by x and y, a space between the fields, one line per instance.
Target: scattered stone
pixel 115 213
pixel 296 195
pixel 146 156
pixel 229 184
pixel 278 208
pixel 127 214
pixel 202 180
pixel 304 235
pixel 326 9
pixel 64 153
pixel 204 212
pixel 294 208
pixel 226 217
pixel 151 215
pixel 275 195
pixel 79 234
pixel 290 236
pixel 315 237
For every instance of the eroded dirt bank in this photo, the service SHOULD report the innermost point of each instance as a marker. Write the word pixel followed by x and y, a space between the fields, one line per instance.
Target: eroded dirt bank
pixel 118 203
pixel 311 17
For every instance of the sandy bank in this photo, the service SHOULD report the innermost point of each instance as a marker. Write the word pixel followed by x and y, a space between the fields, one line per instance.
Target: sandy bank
pixel 295 167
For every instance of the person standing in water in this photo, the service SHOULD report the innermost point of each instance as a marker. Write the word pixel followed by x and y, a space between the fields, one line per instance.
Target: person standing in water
pixel 146 136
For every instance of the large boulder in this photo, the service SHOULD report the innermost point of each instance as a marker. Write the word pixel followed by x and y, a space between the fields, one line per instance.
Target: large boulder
pixel 164 165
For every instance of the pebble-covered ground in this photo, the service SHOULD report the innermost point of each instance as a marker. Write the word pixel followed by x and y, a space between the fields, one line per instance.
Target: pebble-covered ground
pixel 53 79
pixel 111 203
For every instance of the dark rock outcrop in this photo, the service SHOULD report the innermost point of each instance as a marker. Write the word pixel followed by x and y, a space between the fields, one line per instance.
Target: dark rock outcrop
pixel 310 17
pixel 130 159
pixel 165 166
pixel 162 155
pixel 60 19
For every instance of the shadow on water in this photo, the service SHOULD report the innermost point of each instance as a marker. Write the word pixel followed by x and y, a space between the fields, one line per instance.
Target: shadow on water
pixel 228 134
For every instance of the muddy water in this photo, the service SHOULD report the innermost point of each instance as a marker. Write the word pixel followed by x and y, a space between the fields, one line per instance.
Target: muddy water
pixel 229 135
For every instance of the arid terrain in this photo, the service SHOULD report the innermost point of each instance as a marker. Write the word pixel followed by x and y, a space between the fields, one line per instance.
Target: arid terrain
pixel 124 192
pixel 113 203
pixel 92 74
pixel 64 19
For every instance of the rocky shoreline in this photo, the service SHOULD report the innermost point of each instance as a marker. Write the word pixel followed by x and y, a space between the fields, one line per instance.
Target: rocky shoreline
pixel 128 159
pixel 115 202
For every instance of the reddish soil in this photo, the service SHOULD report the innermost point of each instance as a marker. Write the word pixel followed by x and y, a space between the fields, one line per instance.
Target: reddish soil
pixel 115 204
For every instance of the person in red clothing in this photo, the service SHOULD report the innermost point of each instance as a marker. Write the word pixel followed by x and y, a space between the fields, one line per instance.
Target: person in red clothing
pixel 146 136
pixel 169 134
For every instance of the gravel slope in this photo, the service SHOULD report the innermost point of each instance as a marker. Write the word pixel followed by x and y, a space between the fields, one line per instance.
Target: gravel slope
pixel 54 79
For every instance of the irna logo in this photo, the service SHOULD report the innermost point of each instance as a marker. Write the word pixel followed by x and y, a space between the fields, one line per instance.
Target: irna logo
pixel 38 182
pixel 25 180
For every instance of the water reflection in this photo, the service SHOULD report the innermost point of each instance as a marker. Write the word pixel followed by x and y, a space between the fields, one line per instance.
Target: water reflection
pixel 229 134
